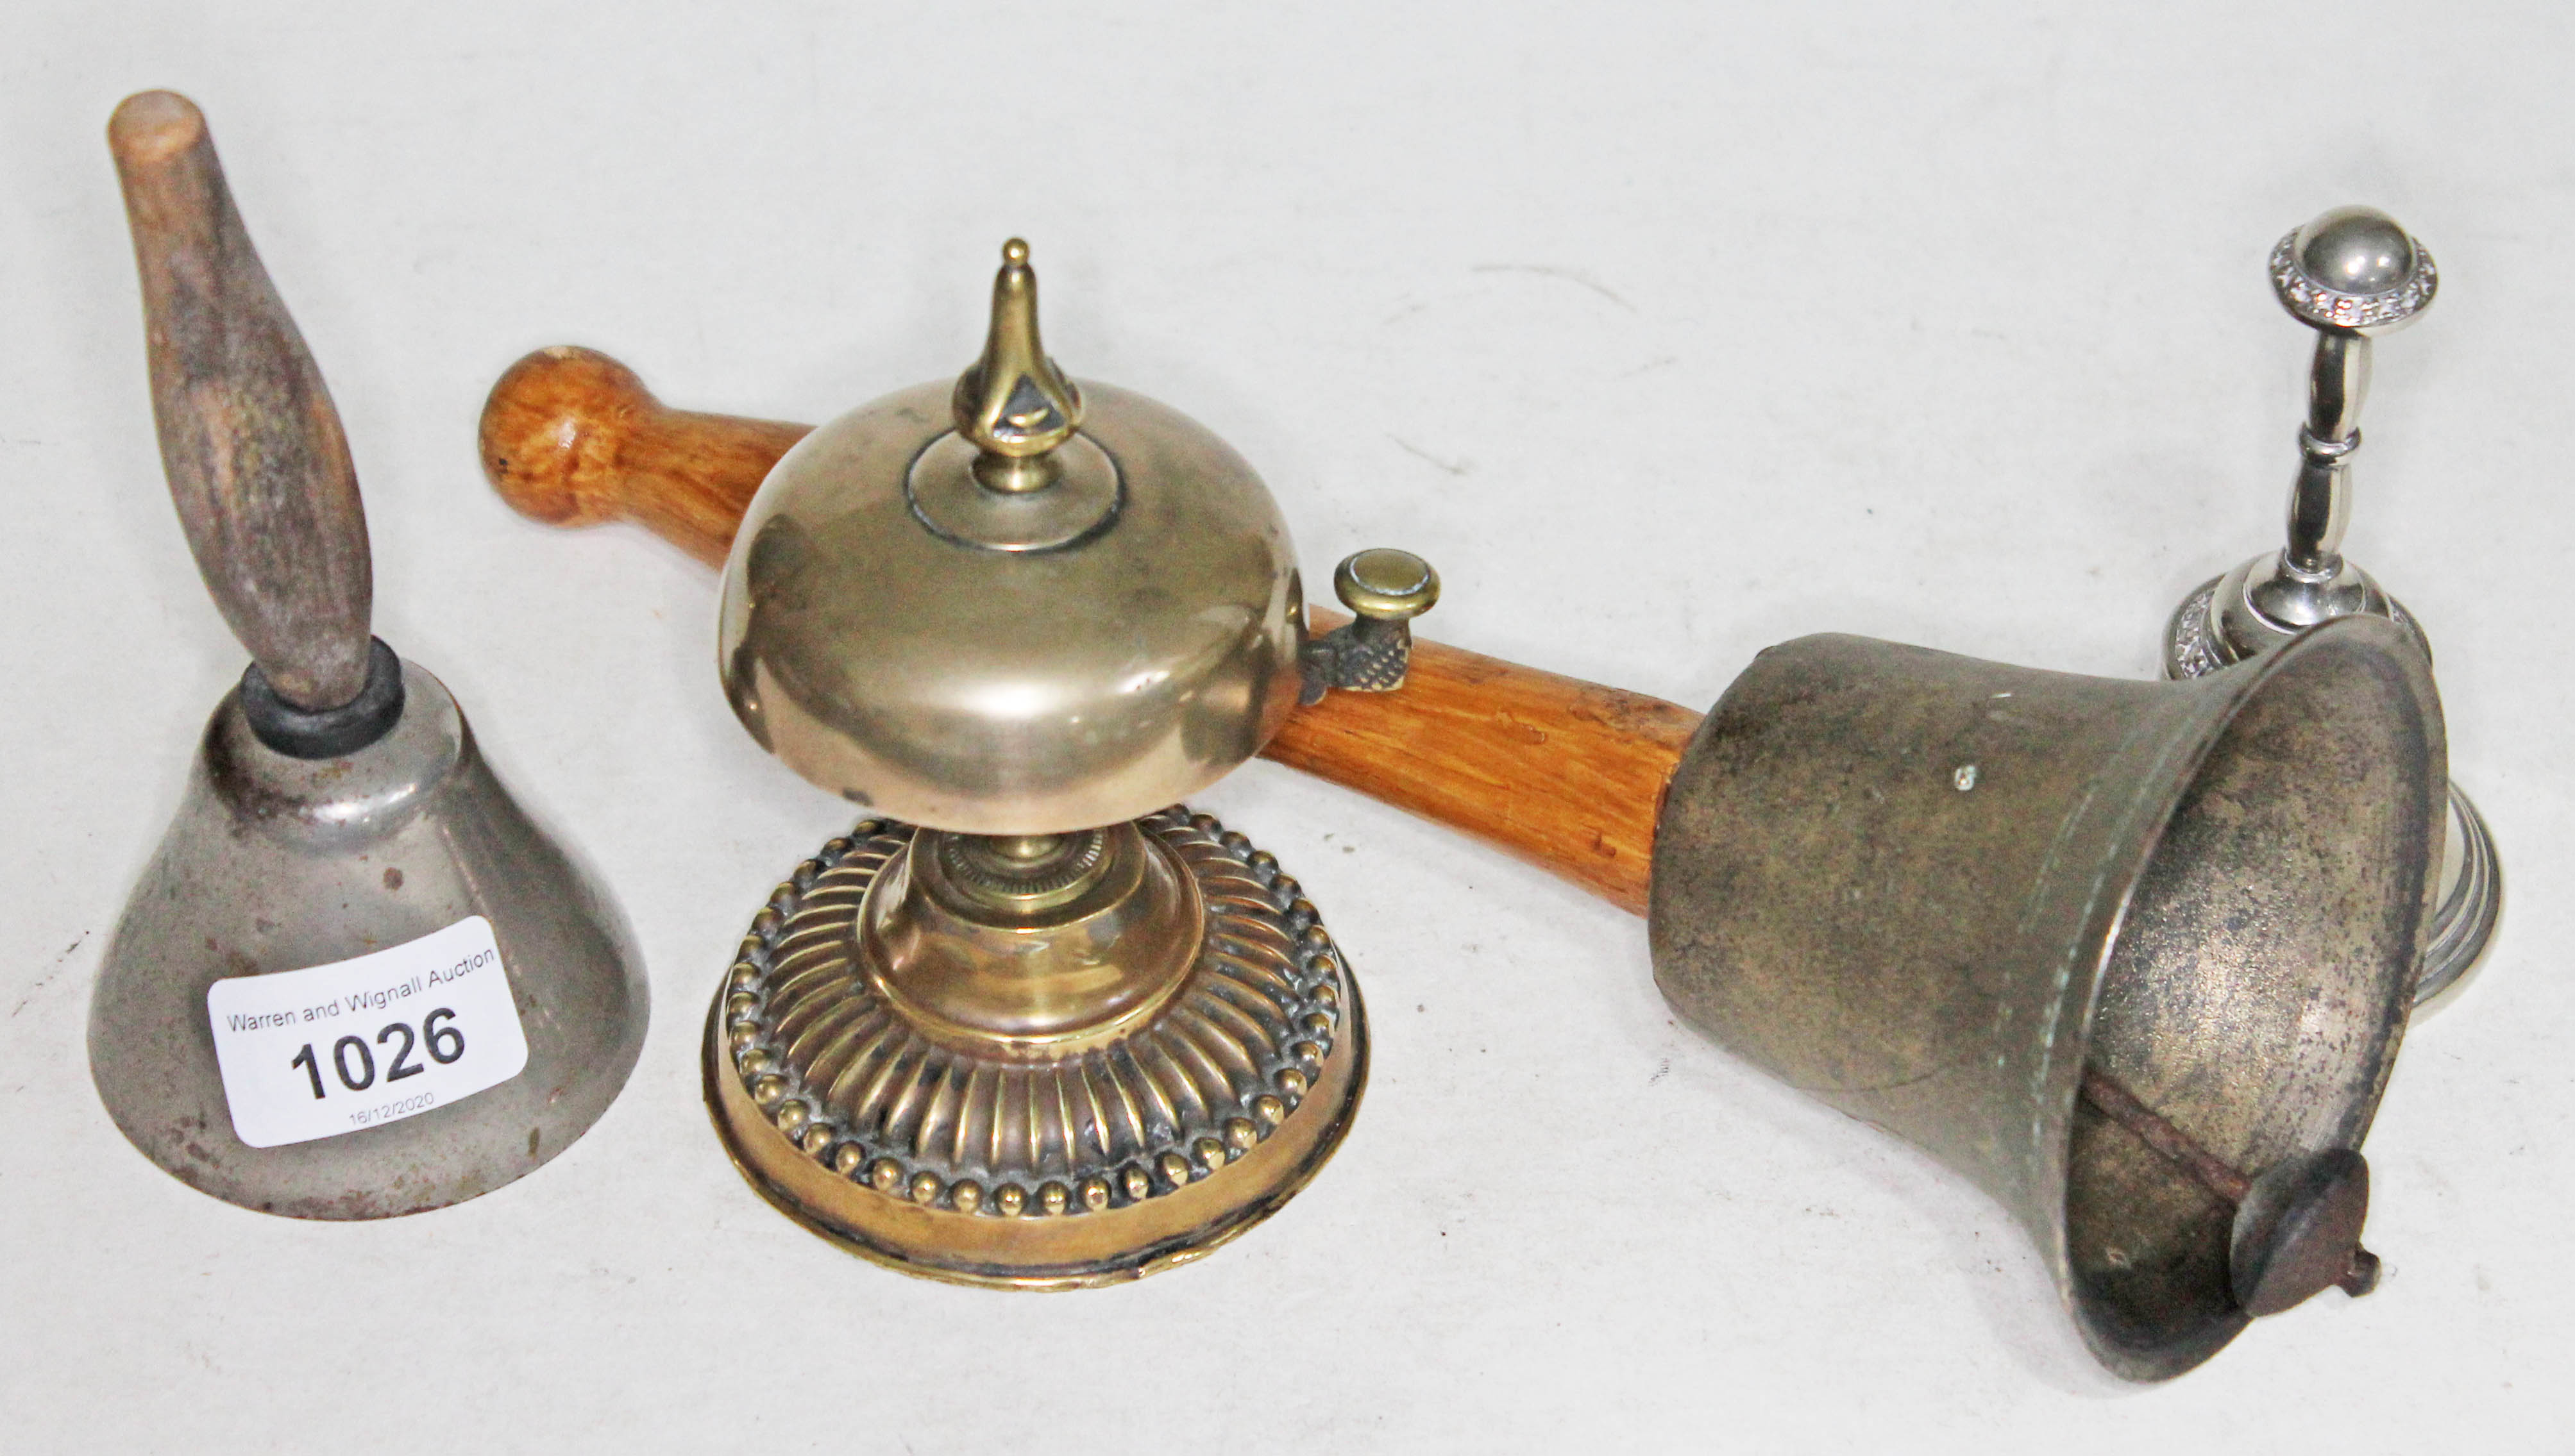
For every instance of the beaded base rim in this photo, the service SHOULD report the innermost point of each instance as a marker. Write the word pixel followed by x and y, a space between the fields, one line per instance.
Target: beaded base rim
pixel 873 1172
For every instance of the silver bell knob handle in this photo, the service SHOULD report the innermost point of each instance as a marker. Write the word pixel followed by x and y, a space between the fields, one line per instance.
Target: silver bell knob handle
pixel 1385 589
pixel 2350 275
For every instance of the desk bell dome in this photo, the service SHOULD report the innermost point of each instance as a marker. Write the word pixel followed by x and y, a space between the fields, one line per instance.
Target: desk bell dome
pixel 1031 1024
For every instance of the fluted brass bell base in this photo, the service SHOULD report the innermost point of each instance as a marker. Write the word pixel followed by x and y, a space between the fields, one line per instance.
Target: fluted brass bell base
pixel 1035 1162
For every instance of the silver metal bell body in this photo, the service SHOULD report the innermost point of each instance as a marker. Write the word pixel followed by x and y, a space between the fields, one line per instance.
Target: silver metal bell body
pixel 1986 907
pixel 347 901
pixel 279 863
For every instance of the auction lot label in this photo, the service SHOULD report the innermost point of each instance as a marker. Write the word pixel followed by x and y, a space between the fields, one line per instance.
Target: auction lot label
pixel 355 1044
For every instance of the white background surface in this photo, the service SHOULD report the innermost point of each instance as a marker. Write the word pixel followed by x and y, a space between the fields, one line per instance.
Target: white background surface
pixel 1666 332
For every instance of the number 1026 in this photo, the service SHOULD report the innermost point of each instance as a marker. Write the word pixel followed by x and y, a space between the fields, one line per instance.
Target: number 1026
pixel 355 1061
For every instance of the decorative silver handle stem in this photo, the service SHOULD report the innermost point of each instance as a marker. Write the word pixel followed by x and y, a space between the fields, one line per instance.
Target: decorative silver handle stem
pixel 2350 275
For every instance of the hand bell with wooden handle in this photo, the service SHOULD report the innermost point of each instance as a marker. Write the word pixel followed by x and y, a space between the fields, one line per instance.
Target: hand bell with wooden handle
pixel 356 980
pixel 2133 956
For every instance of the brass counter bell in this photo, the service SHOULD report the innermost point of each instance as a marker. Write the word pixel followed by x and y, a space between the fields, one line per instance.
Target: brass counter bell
pixel 338 812
pixel 1035 1025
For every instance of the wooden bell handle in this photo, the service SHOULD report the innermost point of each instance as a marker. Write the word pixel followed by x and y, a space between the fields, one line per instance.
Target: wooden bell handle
pixel 1563 774
pixel 571 437
pixel 251 446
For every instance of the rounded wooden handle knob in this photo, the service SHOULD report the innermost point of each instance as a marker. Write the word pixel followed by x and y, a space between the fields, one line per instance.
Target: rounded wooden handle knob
pixel 550 430
pixel 571 437
pixel 1563 774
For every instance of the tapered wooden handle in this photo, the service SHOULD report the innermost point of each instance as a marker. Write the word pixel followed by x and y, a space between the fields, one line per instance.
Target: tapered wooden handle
pixel 1565 775
pixel 257 462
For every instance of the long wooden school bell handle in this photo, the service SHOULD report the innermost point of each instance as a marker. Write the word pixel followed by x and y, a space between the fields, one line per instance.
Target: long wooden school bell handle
pixel 1563 774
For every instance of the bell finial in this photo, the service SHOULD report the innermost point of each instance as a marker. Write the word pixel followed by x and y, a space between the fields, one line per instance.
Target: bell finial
pixel 1012 403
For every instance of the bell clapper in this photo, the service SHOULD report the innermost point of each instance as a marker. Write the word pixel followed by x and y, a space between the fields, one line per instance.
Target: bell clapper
pixel 2350 274
pixel 2288 1244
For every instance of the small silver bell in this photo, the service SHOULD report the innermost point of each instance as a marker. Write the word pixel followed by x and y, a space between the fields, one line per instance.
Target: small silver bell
pixel 2351 274
pixel 356 980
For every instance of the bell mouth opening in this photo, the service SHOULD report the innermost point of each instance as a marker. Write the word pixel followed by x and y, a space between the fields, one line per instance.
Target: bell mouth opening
pixel 2256 989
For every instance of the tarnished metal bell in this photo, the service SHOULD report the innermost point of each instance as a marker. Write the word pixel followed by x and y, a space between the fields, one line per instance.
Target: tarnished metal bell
pixel 356 980
pixel 2135 957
